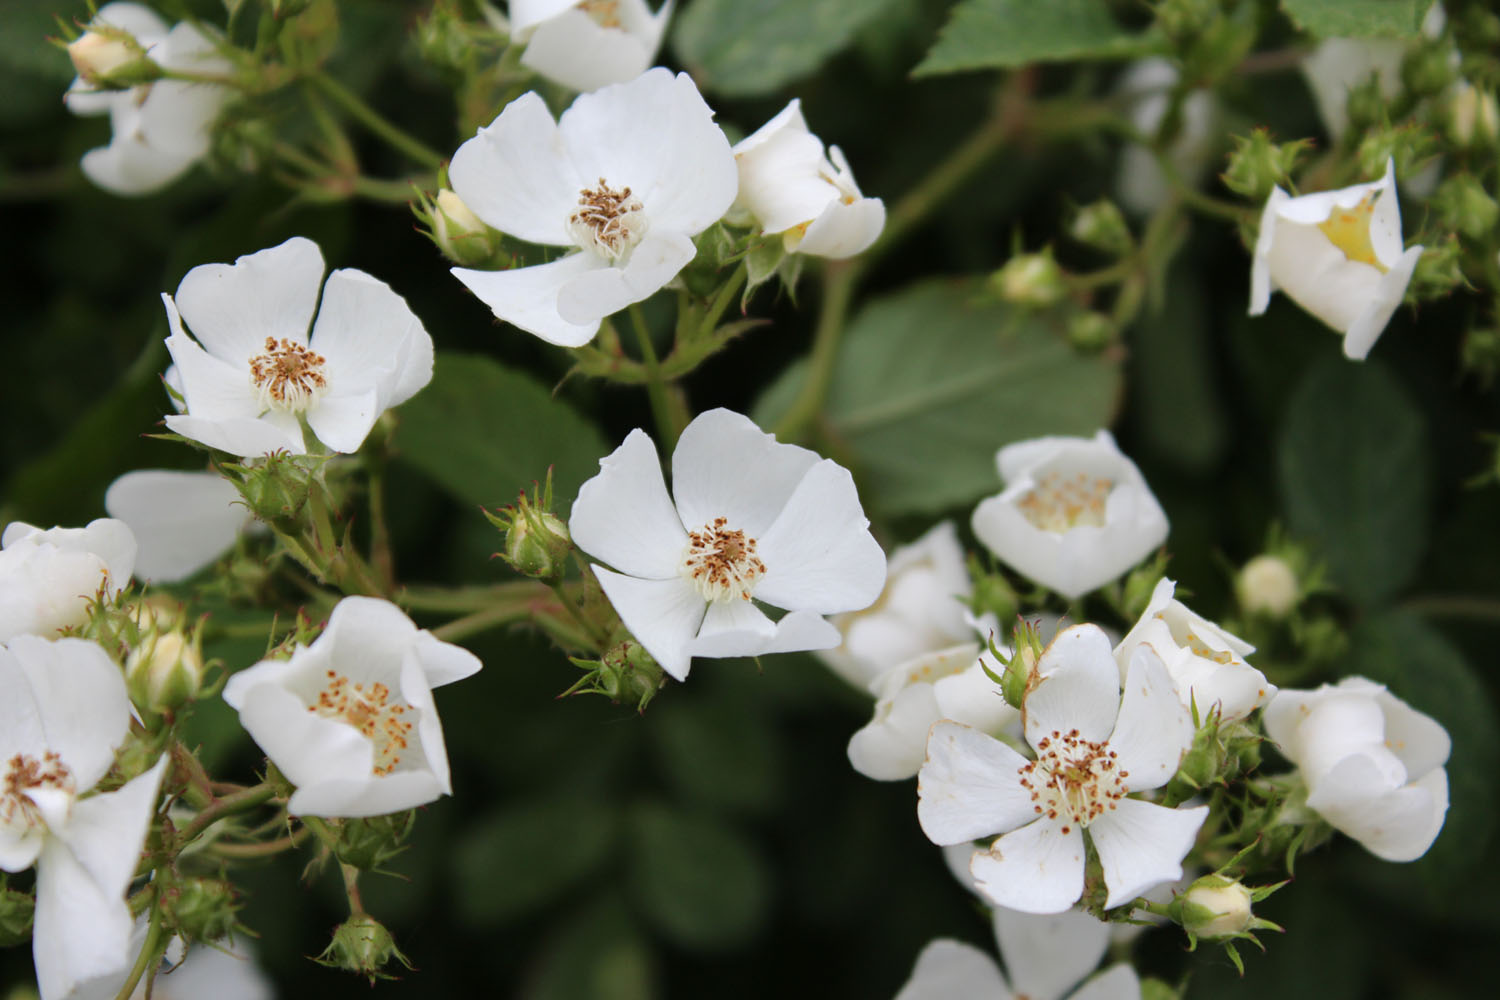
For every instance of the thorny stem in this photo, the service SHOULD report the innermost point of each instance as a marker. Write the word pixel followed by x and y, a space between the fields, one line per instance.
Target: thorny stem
pixel 229 805
pixel 371 119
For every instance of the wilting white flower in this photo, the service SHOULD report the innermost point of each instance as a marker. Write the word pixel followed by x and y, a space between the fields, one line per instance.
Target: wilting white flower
pixel 182 520
pixel 1338 255
pixel 752 521
pixel 48 577
pixel 920 610
pixel 160 129
pixel 1140 183
pixel 789 187
pixel 350 719
pixel 258 375
pixel 1045 956
pixel 625 178
pixel 1207 664
pixel 1373 764
pixel 63 711
pixel 1094 746
pixel 1074 515
pixel 587 44
pixel 946 684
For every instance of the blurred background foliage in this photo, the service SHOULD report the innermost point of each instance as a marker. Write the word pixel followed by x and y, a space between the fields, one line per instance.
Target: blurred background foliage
pixel 720 844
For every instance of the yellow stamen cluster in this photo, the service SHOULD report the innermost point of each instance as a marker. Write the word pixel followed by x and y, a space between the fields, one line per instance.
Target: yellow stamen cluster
pixel 721 562
pixel 369 711
pixel 287 376
pixel 604 13
pixel 609 221
pixel 24 773
pixel 1073 779
pixel 1349 230
pixel 1060 503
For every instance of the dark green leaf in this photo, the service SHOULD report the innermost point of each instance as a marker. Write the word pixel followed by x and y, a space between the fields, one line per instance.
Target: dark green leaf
pixel 598 953
pixel 485 433
pixel 526 855
pixel 931 381
pixel 699 881
pixel 1358 18
pixel 1353 476
pixel 743 48
pixel 716 752
pixel 998 34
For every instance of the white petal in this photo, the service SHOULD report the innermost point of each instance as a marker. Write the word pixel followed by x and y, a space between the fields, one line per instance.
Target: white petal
pixel 656 135
pixel 233 308
pixel 594 294
pixel 663 615
pixel 726 466
pixel 66 696
pixel 738 628
pixel 1080 687
pixel 970 697
pixel 1154 730
pixel 1118 982
pixel 624 517
pixel 107 831
pixel 1418 740
pixel 1261 285
pixel 893 744
pixel 213 388
pixel 365 797
pixel 1396 824
pixel 366 331
pixel 1371 321
pixel 443 662
pixel 952 970
pixel 819 553
pixel 527 297
pixel 343 422
pixel 182 520
pixel 1047 954
pixel 1036 869
pixel 128 167
pixel 572 49
pixel 515 174
pixel 309 749
pixel 248 437
pixel 82 930
pixel 842 230
pixel 1142 844
pixel 970 786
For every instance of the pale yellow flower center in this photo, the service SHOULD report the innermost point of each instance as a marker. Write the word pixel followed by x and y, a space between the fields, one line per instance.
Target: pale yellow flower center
pixel 372 712
pixel 23 774
pixel 604 13
pixel 1060 503
pixel 609 222
pixel 1349 230
pixel 287 376
pixel 1073 779
pixel 721 563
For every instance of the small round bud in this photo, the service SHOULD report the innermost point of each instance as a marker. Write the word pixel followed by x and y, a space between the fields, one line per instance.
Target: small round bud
pixel 164 672
pixel 1267 585
pixel 1438 272
pixel 202 909
pixel 370 842
pixel 1031 279
pixel 275 488
pixel 538 545
pixel 1473 119
pixel 1463 205
pixel 1216 907
pixel 461 235
pixel 1102 225
pixel 363 946
pixel 1258 164
pixel 110 58
pixel 1427 69
pixel 16 910
pixel 1090 332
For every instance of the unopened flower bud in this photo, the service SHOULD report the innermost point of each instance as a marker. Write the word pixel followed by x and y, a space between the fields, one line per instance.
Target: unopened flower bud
pixel 1102 225
pixel 1428 68
pixel 1090 332
pixel 1020 669
pixel 1216 907
pixel 1031 279
pixel 165 671
pixel 1438 272
pixel 1480 355
pixel 1463 205
pixel 1267 585
pixel 1258 164
pixel 1411 146
pixel 626 673
pixel 363 946
pixel 537 542
pixel 992 594
pixel 201 909
pixel 370 842
pixel 275 488
pixel 1473 119
pixel 110 58
pixel 461 235
pixel 16 910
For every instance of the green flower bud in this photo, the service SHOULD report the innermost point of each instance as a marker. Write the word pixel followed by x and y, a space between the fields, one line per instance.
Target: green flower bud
pixel 165 671
pixel 1020 669
pixel 109 58
pixel 1216 907
pixel 1427 69
pixel 369 842
pixel 1090 332
pixel 16 909
pixel 992 594
pixel 1472 117
pixel 626 673
pixel 276 487
pixel 462 236
pixel 1258 164
pixel 1102 225
pixel 201 909
pixel 1031 279
pixel 1462 204
pixel 363 946
pixel 1438 272
pixel 537 542
pixel 1411 146
pixel 1267 585
pixel 1480 355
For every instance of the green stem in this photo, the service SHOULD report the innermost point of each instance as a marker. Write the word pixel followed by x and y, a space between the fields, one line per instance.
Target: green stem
pixel 375 122
pixel 596 632
pixel 722 299
pixel 351 889
pixel 480 621
pixel 838 290
pixel 266 849
pixel 1455 606
pixel 229 805
pixel 518 595
pixel 667 407
pixel 151 950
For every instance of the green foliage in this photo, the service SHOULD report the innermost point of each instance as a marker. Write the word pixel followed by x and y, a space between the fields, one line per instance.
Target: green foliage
pixel 930 381
pixel 746 48
pixel 1353 476
pixel 1358 18
pixel 1002 34
pixel 718 753
pixel 484 433
pixel 597 953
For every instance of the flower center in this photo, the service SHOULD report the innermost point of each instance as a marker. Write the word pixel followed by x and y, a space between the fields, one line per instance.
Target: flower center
pixel 1349 230
pixel 608 222
pixel 604 13
pixel 371 712
pixel 1060 503
pixel 721 562
pixel 1073 779
pixel 288 376
pixel 23 773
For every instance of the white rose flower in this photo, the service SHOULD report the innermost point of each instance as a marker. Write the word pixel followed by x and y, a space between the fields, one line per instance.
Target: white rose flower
pixel 1207 664
pixel 1338 255
pixel 48 577
pixel 625 178
pixel 254 375
pixel 1373 764
pixel 1094 745
pixel 789 187
pixel 160 129
pixel 920 610
pixel 1046 957
pixel 182 520
pixel 1075 513
pixel 587 44
pixel 751 520
pixel 63 711
pixel 350 719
